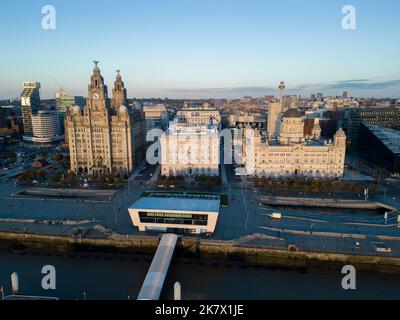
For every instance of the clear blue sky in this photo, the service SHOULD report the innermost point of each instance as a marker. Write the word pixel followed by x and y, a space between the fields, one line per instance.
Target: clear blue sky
pixel 203 48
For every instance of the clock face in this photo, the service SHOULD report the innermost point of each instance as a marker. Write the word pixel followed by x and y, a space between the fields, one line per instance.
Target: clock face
pixel 96 96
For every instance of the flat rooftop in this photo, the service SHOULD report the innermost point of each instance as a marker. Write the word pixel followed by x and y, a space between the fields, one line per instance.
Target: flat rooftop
pixel 178 202
pixel 389 137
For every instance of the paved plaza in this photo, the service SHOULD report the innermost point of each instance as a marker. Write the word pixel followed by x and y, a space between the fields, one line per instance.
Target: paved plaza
pixel 244 220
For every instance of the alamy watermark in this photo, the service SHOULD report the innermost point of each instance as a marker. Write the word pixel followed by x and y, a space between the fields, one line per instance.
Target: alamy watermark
pixel 349 20
pixel 198 148
pixel 349 280
pixel 49 19
pixel 49 280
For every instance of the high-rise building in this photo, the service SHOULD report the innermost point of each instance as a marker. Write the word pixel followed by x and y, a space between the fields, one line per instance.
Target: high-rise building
pixel 68 102
pixel 64 104
pixel 104 140
pixel 46 127
pixel 30 104
pixel 274 119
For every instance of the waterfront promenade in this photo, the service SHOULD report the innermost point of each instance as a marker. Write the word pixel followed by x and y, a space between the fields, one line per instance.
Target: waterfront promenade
pixel 315 229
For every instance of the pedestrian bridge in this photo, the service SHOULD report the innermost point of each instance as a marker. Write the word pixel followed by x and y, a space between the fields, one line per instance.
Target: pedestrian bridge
pixel 154 281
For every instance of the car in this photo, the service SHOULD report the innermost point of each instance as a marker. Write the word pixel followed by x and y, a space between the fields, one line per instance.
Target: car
pixel 275 215
pixel 381 247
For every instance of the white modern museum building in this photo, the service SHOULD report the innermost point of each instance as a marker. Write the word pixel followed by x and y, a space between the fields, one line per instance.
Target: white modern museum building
pixel 177 213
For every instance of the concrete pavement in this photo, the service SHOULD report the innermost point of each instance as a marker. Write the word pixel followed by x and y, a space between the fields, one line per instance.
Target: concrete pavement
pixel 243 217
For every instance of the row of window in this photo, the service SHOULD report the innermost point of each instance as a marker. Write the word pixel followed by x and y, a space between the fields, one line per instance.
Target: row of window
pixel 173 218
pixel 305 172
pixel 323 161
pixel 194 170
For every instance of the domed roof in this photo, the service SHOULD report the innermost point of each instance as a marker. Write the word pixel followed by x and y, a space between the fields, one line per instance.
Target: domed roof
pixel 123 109
pixel 76 109
pixel 292 113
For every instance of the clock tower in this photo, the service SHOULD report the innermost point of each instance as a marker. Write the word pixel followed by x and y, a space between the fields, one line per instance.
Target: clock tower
pixel 104 140
pixel 97 91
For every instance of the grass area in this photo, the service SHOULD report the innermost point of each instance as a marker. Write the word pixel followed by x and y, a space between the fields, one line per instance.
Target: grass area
pixel 224 200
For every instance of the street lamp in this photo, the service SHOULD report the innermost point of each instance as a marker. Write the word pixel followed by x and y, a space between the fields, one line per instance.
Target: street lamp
pixel 366 190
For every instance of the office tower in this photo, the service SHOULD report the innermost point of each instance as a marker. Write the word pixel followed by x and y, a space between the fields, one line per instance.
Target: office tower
pixel 274 119
pixel 30 103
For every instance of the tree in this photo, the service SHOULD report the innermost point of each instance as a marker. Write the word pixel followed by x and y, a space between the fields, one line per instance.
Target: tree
pixel 42 155
pixel 119 182
pixel 41 174
pixel 70 178
pixel 25 177
pixel 101 181
pixel 58 157
pixel 8 155
pixel 56 178
pixel 110 179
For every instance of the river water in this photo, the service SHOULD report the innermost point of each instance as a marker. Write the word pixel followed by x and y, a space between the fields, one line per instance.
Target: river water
pixel 103 276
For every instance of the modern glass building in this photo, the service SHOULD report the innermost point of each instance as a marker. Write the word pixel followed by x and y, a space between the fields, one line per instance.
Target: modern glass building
pixel 64 104
pixel 177 213
pixel 388 117
pixel 380 146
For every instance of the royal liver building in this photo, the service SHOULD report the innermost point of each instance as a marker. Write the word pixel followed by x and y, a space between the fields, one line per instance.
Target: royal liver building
pixel 105 137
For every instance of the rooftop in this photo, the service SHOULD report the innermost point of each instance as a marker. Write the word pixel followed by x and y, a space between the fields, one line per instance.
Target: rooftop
pixel 389 137
pixel 182 128
pixel 178 202
pixel 292 113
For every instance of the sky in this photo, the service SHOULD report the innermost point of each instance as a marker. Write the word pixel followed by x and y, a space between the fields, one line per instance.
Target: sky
pixel 203 48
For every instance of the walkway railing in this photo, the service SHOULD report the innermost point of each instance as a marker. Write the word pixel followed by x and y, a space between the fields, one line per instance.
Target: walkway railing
pixel 154 281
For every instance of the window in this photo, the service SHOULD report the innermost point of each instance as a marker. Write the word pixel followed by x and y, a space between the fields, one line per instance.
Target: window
pixel 173 218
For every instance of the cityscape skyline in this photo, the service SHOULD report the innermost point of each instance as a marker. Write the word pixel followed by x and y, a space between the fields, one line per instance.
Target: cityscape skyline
pixel 205 150
pixel 188 51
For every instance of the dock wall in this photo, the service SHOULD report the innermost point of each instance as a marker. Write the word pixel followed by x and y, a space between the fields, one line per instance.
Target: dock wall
pixel 204 249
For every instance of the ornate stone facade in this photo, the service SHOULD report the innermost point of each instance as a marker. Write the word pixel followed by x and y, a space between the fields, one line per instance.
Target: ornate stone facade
pixel 191 145
pixel 294 154
pixel 104 137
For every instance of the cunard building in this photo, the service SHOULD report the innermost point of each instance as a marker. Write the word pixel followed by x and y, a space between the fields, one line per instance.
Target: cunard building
pixel 104 137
